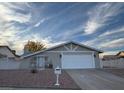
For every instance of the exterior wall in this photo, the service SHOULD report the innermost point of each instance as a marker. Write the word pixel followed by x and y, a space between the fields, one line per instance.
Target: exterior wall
pixel 25 63
pixel 53 58
pixel 50 57
pixel 6 51
pixel 97 60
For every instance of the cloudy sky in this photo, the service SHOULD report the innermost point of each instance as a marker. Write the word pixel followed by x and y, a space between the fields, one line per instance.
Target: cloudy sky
pixel 99 25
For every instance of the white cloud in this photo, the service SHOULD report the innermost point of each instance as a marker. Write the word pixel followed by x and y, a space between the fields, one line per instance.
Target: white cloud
pixel 90 42
pixel 106 45
pixel 70 34
pixel 113 44
pixel 40 22
pixel 91 26
pixel 8 14
pixel 115 31
pixel 17 5
pixel 108 40
pixel 100 15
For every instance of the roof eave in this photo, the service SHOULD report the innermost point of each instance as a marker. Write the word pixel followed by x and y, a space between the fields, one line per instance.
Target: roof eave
pixel 99 51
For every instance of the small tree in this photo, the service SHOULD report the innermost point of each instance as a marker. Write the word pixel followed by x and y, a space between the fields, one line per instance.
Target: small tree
pixel 33 46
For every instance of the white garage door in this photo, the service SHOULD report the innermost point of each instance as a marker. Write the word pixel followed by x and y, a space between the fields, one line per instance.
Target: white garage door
pixel 76 60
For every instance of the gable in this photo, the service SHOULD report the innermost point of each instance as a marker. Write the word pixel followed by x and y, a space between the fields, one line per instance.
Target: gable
pixel 70 47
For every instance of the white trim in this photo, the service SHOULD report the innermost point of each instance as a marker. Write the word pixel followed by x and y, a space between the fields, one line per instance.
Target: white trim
pixel 71 46
pixel 75 48
pixel 71 51
pixel 94 63
pixel 66 48
pixel 41 55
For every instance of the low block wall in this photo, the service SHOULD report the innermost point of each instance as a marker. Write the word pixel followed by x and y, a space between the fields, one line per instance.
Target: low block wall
pixel 118 63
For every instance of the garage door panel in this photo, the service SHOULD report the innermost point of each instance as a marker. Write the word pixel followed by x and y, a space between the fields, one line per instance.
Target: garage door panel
pixel 71 61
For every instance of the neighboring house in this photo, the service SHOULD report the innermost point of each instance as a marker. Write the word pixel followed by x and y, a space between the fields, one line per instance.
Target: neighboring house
pixel 69 55
pixel 6 53
pixel 113 61
pixel 109 57
pixel 114 57
pixel 8 58
pixel 120 54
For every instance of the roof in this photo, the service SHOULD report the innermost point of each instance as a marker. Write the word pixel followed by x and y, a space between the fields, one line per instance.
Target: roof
pixel 10 51
pixel 62 45
pixel 109 57
pixel 120 52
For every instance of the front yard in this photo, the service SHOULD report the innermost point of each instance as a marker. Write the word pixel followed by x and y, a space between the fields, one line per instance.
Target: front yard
pixel 44 79
pixel 87 79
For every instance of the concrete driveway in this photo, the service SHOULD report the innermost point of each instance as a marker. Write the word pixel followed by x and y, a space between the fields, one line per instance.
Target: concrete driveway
pixel 94 79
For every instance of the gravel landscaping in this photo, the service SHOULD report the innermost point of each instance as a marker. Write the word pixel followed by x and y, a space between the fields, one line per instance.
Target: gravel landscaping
pixel 44 79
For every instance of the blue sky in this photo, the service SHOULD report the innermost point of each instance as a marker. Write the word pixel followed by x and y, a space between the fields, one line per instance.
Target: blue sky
pixel 99 25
